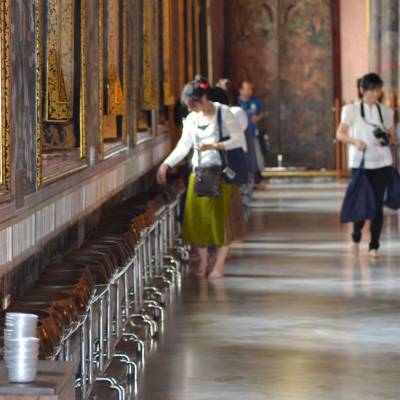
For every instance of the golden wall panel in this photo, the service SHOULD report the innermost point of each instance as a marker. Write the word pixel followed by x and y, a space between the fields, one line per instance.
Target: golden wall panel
pixel 124 61
pixel 115 94
pixel 5 138
pixel 112 84
pixel 189 40
pixel 39 118
pixel 181 49
pixel 156 51
pixel 67 43
pixel 55 107
pixel 150 81
pixel 197 51
pixel 210 43
pixel 82 97
pixel 59 59
pixel 147 82
pixel 175 40
pixel 134 70
pixel 101 76
pixel 167 15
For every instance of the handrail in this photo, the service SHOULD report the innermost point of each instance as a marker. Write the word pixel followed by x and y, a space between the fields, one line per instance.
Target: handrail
pixel 108 302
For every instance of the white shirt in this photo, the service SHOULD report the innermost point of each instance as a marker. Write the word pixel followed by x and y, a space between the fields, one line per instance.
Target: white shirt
pixel 376 156
pixel 193 136
pixel 243 120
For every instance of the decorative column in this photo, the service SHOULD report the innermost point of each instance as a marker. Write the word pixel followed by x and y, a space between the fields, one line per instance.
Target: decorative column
pixel 389 49
pixel 375 36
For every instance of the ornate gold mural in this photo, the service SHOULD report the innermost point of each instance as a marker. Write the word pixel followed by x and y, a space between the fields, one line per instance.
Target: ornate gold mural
pixel 181 38
pixel 113 70
pixel 101 76
pixel 39 118
pixel 5 138
pixel 196 34
pixel 189 40
pixel 134 69
pixel 115 95
pixel 57 129
pixel 82 96
pixel 169 98
pixel 59 58
pixel 150 78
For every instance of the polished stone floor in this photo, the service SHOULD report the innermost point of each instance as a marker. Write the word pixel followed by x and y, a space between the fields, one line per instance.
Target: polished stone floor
pixel 297 317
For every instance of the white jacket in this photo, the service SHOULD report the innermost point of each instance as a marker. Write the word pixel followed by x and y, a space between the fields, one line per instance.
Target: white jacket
pixel 193 136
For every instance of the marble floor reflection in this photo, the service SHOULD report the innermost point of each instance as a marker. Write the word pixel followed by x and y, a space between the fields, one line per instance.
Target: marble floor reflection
pixel 297 317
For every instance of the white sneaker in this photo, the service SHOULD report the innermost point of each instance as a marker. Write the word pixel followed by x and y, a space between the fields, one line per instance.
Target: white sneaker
pixel 354 248
pixel 374 253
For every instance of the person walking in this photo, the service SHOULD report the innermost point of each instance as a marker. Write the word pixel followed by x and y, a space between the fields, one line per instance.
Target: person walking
pixel 253 108
pixel 208 221
pixel 367 127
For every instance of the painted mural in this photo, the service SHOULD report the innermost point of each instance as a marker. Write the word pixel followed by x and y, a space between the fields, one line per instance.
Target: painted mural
pixel 384 46
pixel 285 48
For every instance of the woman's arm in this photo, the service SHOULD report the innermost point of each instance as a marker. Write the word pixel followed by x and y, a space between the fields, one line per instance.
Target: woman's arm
pixel 181 150
pixel 342 134
pixel 392 136
pixel 389 119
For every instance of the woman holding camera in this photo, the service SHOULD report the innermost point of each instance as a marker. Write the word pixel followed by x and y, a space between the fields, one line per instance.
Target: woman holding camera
pixel 208 221
pixel 367 127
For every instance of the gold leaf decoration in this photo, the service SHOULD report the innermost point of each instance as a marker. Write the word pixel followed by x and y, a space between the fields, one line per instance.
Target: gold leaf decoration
pixel 58 107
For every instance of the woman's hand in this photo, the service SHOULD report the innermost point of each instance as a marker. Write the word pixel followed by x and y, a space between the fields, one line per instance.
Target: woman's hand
pixel 162 174
pixel 343 135
pixel 360 145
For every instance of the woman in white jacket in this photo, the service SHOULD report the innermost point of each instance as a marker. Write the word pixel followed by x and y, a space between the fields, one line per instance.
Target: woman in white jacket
pixel 208 221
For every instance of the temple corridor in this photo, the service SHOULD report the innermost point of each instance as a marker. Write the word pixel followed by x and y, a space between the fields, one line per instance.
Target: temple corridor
pixel 297 317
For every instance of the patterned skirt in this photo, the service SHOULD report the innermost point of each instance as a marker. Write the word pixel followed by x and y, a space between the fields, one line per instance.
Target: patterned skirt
pixel 213 221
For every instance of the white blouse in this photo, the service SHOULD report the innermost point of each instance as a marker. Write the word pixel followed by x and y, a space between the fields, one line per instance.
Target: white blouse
pixel 376 156
pixel 194 136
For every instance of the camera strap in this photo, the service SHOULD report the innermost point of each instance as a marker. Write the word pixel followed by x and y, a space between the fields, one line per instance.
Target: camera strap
pixel 379 112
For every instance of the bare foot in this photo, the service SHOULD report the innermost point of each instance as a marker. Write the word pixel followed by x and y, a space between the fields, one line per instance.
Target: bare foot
pixel 215 274
pixel 354 248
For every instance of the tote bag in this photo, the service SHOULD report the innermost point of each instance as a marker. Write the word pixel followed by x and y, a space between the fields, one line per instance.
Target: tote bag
pixel 392 192
pixel 359 202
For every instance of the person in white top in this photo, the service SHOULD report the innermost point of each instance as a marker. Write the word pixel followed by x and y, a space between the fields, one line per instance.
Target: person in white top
pixel 367 127
pixel 243 121
pixel 208 221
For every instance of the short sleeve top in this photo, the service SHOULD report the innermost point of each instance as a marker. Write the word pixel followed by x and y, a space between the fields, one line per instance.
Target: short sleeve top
pixel 376 156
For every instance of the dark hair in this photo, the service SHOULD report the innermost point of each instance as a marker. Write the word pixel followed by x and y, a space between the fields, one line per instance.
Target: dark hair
pixel 195 90
pixel 218 94
pixel 370 81
pixel 359 91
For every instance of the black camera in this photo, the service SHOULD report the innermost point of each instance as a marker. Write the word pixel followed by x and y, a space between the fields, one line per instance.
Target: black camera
pixel 382 136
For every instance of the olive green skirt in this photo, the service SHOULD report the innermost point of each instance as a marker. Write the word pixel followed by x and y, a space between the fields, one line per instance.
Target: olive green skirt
pixel 213 221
